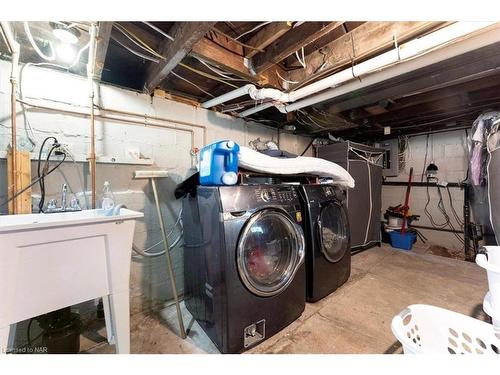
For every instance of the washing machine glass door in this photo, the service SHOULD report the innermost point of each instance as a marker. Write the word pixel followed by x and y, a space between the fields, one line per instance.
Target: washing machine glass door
pixel 270 250
pixel 333 231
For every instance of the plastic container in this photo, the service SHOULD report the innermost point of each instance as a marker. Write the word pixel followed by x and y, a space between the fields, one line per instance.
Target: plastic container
pixel 107 202
pixel 488 257
pixel 425 329
pixel 402 241
pixel 219 163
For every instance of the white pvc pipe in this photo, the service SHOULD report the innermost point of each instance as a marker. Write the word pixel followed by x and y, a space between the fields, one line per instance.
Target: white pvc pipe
pixel 15 49
pixel 409 50
pixel 255 109
pixel 243 90
pixel 398 68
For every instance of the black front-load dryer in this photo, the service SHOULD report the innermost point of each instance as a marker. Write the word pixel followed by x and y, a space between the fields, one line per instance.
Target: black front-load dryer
pixel 244 271
pixel 328 255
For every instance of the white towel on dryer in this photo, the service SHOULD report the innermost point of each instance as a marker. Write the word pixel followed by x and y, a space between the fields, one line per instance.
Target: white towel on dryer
pixel 256 161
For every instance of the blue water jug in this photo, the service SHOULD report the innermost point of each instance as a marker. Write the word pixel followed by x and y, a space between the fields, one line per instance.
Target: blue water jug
pixel 219 163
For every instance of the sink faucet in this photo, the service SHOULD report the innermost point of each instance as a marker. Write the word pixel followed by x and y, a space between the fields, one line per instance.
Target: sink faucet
pixel 74 206
pixel 64 197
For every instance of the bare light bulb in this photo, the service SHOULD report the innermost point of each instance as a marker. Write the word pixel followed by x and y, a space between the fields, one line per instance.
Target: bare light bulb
pixel 66 53
pixel 65 36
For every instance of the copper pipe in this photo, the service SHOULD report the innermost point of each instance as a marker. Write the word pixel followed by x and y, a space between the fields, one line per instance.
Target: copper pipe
pixel 112 118
pixel 90 77
pixel 15 202
pixel 146 116
pixel 14 49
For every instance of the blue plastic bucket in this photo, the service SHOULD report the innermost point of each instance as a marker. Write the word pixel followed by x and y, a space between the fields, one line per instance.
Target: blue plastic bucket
pixel 219 163
pixel 402 241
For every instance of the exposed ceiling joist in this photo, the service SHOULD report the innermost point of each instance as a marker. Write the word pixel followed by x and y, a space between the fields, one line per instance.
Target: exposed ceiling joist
pixel 366 40
pixel 470 66
pixel 294 40
pixel 232 62
pixel 409 103
pixel 267 35
pixel 186 35
pixel 103 35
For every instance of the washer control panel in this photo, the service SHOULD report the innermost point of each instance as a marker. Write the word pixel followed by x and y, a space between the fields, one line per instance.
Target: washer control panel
pixel 276 194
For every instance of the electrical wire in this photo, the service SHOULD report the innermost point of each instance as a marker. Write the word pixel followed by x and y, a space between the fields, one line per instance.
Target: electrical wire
pixel 144 252
pixel 137 41
pixel 252 30
pixel 425 159
pixel 35 47
pixel 33 182
pixel 191 83
pixel 285 80
pixel 158 30
pixel 303 61
pixel 222 73
pixel 139 54
pixel 207 75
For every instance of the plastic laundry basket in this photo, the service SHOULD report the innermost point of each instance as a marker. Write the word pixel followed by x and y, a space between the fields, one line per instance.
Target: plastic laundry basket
pixel 488 257
pixel 425 329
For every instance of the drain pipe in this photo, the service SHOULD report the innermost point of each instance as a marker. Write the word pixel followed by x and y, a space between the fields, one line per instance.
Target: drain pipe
pixel 14 50
pixel 408 57
pixel 90 76
pixel 407 51
pixel 249 89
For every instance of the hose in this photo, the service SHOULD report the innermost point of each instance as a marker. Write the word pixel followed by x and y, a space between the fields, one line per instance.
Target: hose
pixel 144 252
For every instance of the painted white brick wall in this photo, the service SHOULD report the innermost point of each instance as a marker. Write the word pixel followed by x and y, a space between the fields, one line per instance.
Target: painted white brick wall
pixel 449 152
pixel 168 148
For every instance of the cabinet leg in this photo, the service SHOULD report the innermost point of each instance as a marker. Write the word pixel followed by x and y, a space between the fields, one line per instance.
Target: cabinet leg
pixel 108 319
pixel 120 321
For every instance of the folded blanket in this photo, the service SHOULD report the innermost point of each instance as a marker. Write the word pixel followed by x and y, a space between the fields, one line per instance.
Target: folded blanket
pixel 256 161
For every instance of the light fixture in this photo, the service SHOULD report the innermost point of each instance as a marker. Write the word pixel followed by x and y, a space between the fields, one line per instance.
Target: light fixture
pixel 65 33
pixel 66 52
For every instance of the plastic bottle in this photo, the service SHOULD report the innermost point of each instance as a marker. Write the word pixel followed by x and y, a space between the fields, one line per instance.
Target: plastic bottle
pixel 219 163
pixel 107 202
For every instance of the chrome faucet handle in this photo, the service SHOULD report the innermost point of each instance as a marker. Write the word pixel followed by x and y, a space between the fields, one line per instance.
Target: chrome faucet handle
pixel 75 204
pixel 52 205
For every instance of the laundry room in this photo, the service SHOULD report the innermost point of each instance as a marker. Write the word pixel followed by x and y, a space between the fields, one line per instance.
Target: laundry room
pixel 249 185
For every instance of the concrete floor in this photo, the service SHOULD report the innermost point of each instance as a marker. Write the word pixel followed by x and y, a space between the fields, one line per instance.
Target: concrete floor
pixel 354 319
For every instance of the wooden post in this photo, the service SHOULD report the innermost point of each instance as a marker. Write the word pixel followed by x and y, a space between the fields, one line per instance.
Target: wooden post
pixel 21 204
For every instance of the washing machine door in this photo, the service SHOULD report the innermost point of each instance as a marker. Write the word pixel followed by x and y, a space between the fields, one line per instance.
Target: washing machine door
pixel 270 250
pixel 333 231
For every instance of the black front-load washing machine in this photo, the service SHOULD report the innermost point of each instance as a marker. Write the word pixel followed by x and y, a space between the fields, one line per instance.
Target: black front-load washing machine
pixel 328 255
pixel 244 271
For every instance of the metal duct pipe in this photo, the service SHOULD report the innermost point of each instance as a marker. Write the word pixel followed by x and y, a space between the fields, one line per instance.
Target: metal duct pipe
pixel 14 50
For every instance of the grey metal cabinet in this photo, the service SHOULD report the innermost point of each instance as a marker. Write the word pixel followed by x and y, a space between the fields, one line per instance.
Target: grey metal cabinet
pixel 364 163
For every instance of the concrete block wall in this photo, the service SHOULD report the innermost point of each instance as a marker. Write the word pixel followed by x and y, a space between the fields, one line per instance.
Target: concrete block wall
pixel 166 148
pixel 448 151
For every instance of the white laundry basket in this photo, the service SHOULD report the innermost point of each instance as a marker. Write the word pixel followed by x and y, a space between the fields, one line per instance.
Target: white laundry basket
pixel 425 329
pixel 488 257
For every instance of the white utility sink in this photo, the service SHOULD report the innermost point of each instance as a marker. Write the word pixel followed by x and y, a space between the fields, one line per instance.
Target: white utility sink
pixel 50 261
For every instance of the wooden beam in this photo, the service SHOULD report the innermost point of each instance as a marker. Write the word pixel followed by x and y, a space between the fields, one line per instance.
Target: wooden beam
pixel 267 35
pixel 23 177
pixel 103 35
pixel 295 39
pixel 472 65
pixel 364 41
pixel 185 35
pixel 408 102
pixel 228 60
